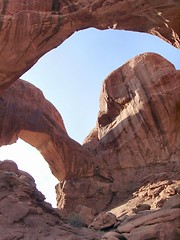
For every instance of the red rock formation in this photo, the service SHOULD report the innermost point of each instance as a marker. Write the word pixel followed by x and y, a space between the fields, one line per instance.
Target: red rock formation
pixel 135 145
pixel 29 29
pixel 158 225
pixel 138 122
pixel 25 215
pixel 25 113
pixel 137 126
pixel 137 130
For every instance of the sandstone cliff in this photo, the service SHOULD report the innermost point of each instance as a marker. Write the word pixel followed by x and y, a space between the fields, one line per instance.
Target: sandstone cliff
pixel 138 122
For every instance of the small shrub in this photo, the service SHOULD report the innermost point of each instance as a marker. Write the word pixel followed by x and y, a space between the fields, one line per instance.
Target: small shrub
pixel 75 220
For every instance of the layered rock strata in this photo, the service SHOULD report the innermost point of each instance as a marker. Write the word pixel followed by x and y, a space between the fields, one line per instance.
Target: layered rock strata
pixel 137 133
pixel 138 122
pixel 29 29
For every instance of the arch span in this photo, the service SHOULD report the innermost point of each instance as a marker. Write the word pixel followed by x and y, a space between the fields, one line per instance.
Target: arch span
pixel 39 26
pixel 28 115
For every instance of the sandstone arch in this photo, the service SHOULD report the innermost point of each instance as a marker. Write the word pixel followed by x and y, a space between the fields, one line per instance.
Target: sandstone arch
pixel 129 138
pixel 38 28
pixel 28 115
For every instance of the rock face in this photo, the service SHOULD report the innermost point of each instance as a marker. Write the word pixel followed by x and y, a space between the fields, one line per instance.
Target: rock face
pixel 25 215
pixel 40 26
pixel 158 225
pixel 138 122
pixel 103 221
pixel 137 130
pixel 160 222
pixel 25 113
pixel 137 126
pixel 132 151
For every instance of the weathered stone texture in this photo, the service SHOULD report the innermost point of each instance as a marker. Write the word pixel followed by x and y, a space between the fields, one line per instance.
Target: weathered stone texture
pixel 28 115
pixel 138 122
pixel 25 215
pixel 137 126
pixel 39 26
pixel 134 148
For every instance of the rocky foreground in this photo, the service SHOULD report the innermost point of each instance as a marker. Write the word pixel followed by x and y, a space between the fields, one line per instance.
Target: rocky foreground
pixel 151 213
pixel 25 215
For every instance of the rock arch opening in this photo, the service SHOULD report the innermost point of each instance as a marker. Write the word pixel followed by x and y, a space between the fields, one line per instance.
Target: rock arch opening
pixel 38 27
pixel 44 139
pixel 30 160
pixel 71 76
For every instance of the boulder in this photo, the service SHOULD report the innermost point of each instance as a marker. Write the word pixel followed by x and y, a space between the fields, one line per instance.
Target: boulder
pixel 103 221
pixel 160 231
pixel 141 207
pixel 160 216
pixel 113 236
pixel 86 214
pixel 172 202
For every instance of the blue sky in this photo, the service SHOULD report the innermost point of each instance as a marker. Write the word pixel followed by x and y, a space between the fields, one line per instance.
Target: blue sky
pixel 71 77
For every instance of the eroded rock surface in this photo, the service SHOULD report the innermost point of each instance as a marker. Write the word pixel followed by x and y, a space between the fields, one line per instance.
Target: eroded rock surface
pixel 25 113
pixel 137 131
pixel 134 148
pixel 39 26
pixel 158 225
pixel 138 122
pixel 160 222
pixel 25 215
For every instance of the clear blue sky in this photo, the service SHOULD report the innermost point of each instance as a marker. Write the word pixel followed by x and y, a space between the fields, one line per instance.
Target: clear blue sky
pixel 71 77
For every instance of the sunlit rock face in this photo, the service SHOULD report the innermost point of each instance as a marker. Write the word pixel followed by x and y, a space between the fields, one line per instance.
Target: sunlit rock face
pixel 25 113
pixel 138 121
pixel 29 29
pixel 137 133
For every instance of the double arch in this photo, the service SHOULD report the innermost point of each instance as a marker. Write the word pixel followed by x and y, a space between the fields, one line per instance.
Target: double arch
pixel 38 28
